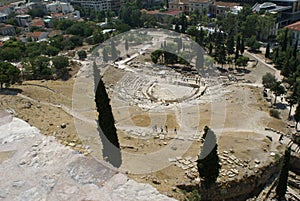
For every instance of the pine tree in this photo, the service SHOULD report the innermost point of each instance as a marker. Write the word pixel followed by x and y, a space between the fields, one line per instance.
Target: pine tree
pixel 284 173
pixel 208 161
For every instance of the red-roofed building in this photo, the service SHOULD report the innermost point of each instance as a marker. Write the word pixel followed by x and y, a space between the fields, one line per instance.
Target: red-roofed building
pixel 174 13
pixel 37 36
pixel 295 29
pixel 150 12
pixel 37 22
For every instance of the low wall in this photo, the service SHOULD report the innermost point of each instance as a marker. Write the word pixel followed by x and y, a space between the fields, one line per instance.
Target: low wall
pixel 295 163
pixel 236 190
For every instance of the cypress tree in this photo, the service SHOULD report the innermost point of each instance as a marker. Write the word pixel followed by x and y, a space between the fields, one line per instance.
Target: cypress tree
pixel 284 173
pixel 295 49
pixel 107 131
pixel 242 49
pixel 237 47
pixel 208 161
pixel 267 54
pixel 285 40
pixel 230 43
pixel 210 49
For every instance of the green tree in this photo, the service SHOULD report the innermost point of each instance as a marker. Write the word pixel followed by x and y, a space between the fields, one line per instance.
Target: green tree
pixel 183 22
pixel 237 47
pixel 250 26
pixel 284 173
pixel 51 50
pixel 208 160
pixel 130 14
pixel 230 43
pixel 297 115
pixel 82 54
pixel 295 49
pixel 9 74
pixel 221 54
pixel 278 90
pixel 36 13
pixel 60 62
pixel 242 61
pixel 253 43
pixel 268 80
pixel 39 68
pixel 242 48
pixel 292 100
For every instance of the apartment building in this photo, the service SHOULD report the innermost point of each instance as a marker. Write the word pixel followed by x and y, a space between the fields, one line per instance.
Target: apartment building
pixel 96 4
pixel 201 5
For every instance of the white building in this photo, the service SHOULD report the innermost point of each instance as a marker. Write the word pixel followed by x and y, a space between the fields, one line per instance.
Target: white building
pixel 60 7
pixel 94 5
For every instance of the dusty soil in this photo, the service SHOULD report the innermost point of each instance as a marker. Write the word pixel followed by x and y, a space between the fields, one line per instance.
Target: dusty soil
pixel 246 111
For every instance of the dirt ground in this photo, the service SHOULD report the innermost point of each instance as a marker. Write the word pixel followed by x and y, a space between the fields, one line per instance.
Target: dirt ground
pixel 40 104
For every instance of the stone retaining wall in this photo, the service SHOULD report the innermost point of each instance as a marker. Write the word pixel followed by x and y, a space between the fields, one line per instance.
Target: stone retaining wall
pixel 236 190
pixel 295 163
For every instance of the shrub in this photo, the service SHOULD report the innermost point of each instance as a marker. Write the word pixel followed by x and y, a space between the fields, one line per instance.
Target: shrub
pixel 275 113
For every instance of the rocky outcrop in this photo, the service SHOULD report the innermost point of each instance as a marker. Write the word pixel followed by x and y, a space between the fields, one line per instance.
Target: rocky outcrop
pixel 36 167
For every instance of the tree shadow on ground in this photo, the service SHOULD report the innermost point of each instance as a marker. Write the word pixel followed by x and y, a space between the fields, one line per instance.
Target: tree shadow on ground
pixel 10 91
pixel 243 70
pixel 280 106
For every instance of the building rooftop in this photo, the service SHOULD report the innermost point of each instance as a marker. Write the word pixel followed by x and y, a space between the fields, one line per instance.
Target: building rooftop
pixel 295 26
pixel 150 12
pixel 200 1
pixel 172 12
pixel 21 16
pixel 37 23
pixel 269 7
pixel 226 4
pixel 35 34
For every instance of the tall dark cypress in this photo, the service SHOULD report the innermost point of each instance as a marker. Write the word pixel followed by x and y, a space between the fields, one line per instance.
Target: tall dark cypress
pixel 107 129
pixel 284 173
pixel 208 162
